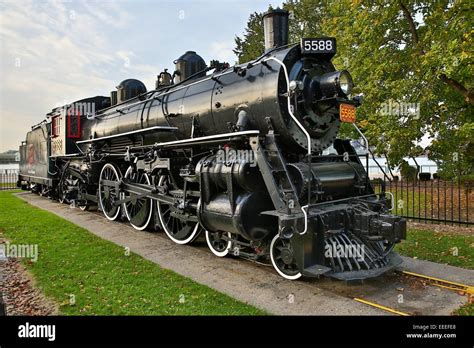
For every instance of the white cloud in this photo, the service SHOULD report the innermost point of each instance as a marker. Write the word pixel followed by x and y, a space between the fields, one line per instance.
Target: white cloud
pixel 67 50
pixel 222 51
pixel 56 52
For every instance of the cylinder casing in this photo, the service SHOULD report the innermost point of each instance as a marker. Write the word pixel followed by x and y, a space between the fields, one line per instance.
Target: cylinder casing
pixel 242 217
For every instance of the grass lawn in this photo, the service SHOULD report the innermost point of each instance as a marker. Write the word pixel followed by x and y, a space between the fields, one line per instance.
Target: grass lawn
pixel 102 278
pixel 441 247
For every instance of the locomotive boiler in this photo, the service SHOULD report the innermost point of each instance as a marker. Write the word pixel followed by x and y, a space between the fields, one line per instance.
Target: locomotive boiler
pixel 234 153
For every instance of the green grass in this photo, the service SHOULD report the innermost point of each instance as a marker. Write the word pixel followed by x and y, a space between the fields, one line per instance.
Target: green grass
pixel 440 247
pixel 98 273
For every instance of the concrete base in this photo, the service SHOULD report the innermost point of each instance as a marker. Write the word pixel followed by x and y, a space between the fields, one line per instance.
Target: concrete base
pixel 261 286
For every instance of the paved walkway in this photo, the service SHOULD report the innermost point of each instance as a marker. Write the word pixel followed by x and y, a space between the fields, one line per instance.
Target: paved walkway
pixel 260 285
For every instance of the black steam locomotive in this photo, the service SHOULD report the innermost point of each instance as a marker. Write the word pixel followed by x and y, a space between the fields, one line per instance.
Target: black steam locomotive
pixel 235 153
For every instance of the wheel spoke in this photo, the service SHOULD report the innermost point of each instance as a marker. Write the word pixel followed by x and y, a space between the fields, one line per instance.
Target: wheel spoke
pixel 177 229
pixel 139 210
pixel 282 258
pixel 217 244
pixel 108 194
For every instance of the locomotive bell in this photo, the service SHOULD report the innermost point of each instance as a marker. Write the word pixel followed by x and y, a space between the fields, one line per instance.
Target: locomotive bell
pixel 189 64
pixel 275 27
pixel 164 79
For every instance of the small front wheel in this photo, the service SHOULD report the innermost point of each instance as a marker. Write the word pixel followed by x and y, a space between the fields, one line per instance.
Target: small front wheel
pixel 283 260
pixel 219 246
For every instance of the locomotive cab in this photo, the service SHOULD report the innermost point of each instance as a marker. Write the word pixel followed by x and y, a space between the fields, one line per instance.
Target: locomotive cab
pixel 70 122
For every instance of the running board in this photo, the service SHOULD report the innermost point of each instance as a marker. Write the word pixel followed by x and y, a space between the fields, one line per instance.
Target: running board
pixel 208 139
pixel 138 131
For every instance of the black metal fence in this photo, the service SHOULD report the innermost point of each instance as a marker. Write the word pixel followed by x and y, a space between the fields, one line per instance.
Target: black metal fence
pixel 8 179
pixel 432 201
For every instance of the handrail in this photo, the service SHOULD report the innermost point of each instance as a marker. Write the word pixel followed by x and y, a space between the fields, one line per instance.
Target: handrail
pixel 301 127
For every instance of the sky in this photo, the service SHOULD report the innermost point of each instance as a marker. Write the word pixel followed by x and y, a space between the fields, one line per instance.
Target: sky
pixel 56 52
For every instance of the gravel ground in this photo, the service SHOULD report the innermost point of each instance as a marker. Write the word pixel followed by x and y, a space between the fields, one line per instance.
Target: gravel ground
pixel 19 293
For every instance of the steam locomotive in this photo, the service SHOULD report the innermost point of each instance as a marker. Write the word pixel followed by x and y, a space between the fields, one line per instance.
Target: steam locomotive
pixel 233 153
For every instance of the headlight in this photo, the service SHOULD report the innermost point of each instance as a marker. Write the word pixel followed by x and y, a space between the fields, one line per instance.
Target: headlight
pixel 337 83
pixel 345 82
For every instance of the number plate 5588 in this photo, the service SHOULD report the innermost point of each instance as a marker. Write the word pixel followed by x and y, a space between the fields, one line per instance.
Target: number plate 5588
pixel 321 45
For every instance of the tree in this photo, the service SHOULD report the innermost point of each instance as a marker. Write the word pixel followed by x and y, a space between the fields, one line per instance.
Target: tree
pixel 411 60
pixel 251 45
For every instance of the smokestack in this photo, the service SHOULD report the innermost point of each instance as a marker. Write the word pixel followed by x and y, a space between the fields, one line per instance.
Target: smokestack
pixel 275 27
